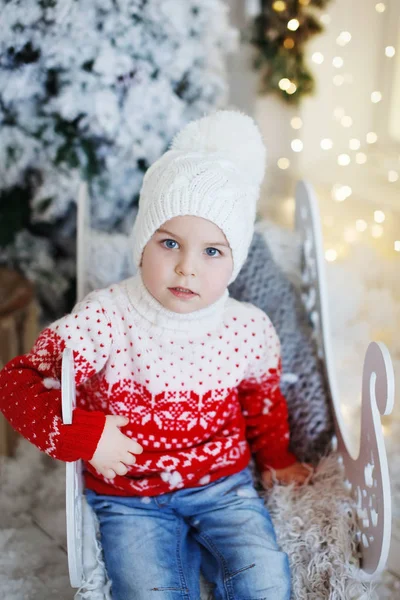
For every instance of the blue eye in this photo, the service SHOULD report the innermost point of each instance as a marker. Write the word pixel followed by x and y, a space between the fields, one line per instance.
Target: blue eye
pixel 170 244
pixel 212 252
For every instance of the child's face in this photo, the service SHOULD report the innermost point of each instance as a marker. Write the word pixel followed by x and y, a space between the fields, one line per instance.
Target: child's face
pixel 191 253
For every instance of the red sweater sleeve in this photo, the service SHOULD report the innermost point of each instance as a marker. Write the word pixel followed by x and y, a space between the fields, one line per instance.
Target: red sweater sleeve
pixel 264 407
pixel 30 385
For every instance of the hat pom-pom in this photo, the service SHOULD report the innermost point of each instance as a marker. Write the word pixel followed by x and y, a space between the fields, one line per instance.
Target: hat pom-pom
pixel 231 134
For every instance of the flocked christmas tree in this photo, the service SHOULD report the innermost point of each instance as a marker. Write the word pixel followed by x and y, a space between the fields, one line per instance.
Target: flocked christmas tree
pixel 93 90
pixel 279 33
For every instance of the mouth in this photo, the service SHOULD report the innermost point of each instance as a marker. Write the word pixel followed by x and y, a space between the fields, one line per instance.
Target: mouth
pixel 181 292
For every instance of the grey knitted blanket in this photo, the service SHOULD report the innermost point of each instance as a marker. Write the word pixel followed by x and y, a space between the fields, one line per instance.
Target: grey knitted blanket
pixel 262 282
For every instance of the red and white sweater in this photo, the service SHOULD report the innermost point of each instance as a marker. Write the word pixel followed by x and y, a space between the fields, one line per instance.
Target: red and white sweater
pixel 201 390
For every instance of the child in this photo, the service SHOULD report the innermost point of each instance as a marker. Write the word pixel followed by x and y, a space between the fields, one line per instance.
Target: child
pixel 177 384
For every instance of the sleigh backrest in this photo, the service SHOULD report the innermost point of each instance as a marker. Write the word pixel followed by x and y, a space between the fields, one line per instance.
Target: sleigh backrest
pixel 365 471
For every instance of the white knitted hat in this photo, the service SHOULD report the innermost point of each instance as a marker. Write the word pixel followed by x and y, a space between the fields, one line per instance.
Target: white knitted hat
pixel 213 170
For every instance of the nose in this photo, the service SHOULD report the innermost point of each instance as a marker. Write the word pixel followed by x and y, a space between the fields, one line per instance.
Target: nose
pixel 186 267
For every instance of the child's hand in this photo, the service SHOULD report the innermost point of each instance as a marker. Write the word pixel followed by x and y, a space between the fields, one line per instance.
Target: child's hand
pixel 114 452
pixel 297 473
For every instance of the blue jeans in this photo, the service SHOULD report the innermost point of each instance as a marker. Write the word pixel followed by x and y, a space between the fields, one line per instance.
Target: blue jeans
pixel 155 546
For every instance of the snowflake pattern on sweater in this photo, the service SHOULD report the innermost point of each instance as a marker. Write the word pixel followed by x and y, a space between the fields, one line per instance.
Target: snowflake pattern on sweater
pixel 201 390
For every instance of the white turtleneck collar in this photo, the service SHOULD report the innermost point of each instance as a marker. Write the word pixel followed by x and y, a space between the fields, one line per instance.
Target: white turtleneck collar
pixel 157 319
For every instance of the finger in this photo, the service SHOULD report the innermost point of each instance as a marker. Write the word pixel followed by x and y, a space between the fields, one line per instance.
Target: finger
pixel 120 468
pixel 109 474
pixel 134 447
pixel 308 468
pixel 120 420
pixel 309 472
pixel 288 478
pixel 267 479
pixel 300 479
pixel 309 478
pixel 128 459
pixel 299 475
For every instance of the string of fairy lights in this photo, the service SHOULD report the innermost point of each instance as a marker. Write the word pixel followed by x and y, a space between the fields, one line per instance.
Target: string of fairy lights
pixel 339 192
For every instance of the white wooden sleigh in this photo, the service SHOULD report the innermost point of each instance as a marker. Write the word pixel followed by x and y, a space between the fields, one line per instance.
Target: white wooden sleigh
pixel 365 475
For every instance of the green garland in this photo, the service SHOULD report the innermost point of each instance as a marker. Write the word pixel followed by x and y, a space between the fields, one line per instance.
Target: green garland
pixel 280 50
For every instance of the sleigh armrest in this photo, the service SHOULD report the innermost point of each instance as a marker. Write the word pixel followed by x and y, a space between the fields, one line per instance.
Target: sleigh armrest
pixel 73 488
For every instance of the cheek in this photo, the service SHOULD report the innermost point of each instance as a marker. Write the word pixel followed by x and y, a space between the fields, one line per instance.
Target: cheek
pixel 155 263
pixel 218 275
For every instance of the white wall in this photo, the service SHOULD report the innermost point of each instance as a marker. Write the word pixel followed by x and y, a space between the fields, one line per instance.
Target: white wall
pixel 394 108
pixel 362 57
pixel 242 78
pixel 365 65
